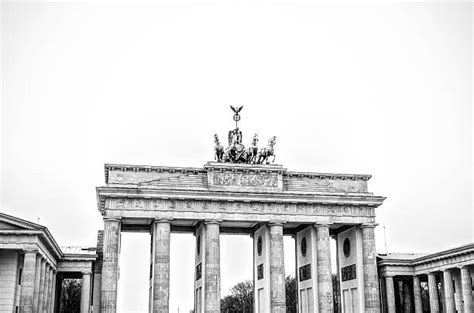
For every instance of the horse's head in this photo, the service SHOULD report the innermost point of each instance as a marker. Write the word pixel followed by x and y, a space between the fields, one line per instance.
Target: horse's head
pixel 255 140
pixel 272 141
pixel 216 140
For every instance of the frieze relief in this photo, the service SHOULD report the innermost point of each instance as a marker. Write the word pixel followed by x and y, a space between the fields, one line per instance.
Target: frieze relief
pixel 246 179
pixel 239 207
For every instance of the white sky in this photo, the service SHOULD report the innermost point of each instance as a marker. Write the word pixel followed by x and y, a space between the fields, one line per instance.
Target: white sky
pixel 383 89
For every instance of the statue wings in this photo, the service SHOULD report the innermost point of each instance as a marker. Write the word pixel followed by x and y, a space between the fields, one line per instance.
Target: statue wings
pixel 236 109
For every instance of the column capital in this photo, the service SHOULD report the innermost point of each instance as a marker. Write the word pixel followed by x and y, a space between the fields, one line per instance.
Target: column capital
pixel 369 225
pixel 86 272
pixel 162 220
pixel 112 219
pixel 31 250
pixel 322 224
pixel 207 222
pixel 276 223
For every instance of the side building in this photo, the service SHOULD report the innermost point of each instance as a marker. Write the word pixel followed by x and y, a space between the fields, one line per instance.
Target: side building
pixel 33 267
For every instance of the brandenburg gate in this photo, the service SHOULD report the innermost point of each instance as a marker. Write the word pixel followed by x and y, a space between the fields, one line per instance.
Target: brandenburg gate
pixel 243 192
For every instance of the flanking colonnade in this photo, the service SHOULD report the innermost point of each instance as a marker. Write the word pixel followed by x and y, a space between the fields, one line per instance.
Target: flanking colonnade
pixel 208 276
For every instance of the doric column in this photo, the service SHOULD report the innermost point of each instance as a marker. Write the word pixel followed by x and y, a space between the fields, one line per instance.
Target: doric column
pixel 417 294
pixel 371 286
pixel 53 292
pixel 108 290
pixel 466 288
pixel 212 275
pixel 43 290
pixel 41 276
pixel 28 281
pixel 47 298
pixel 433 292
pixel 448 291
pixel 86 292
pixel 277 269
pixel 323 268
pixel 37 283
pixel 390 294
pixel 161 231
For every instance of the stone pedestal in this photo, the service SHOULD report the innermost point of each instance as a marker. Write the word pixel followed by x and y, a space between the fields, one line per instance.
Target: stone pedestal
pixel 28 282
pixel 417 294
pixel 323 267
pixel 277 269
pixel 161 231
pixel 448 292
pixel 371 286
pixel 108 299
pixel 433 292
pixel 390 294
pixel 212 275
pixel 466 288
pixel 86 292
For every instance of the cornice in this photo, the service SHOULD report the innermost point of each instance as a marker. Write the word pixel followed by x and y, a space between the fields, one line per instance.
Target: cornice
pixel 212 195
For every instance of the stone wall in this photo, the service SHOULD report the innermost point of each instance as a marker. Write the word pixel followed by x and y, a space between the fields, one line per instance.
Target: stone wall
pixel 9 288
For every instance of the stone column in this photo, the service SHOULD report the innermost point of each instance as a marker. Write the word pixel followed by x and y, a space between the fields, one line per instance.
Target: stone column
pixel 161 231
pixel 212 274
pixel 323 268
pixel 86 292
pixel 28 281
pixel 37 283
pixel 433 291
pixel 371 286
pixel 47 298
pixel 448 291
pixel 41 276
pixel 108 290
pixel 53 292
pixel 417 294
pixel 390 294
pixel 277 269
pixel 43 290
pixel 466 288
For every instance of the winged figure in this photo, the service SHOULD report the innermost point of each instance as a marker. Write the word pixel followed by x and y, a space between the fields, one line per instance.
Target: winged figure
pixel 236 109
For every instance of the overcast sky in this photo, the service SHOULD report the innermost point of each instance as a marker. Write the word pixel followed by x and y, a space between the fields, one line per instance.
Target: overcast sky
pixel 383 89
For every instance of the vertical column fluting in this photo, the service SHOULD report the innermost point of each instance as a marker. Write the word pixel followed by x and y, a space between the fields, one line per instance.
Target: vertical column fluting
pixel 277 269
pixel 28 281
pixel 47 298
pixel 433 292
pixel 371 286
pixel 323 266
pixel 448 291
pixel 108 290
pixel 212 276
pixel 417 294
pixel 161 231
pixel 53 292
pixel 43 290
pixel 86 292
pixel 466 288
pixel 390 294
pixel 42 274
pixel 37 282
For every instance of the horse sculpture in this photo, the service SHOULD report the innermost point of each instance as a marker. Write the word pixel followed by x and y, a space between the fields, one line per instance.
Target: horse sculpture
pixel 267 152
pixel 219 149
pixel 253 151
